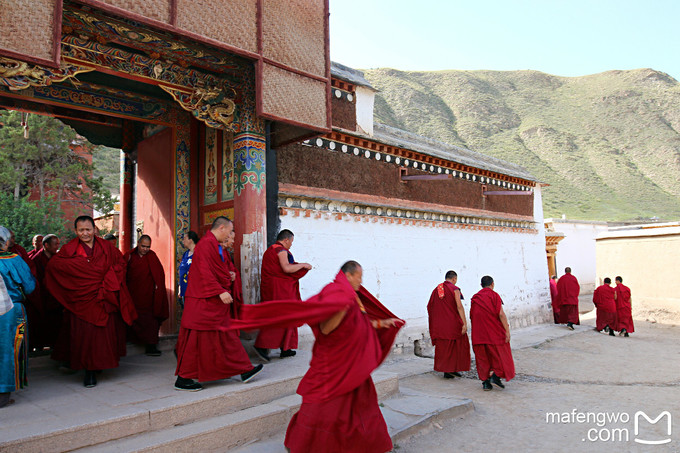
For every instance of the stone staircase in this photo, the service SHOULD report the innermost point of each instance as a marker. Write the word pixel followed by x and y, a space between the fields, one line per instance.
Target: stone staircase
pixel 226 415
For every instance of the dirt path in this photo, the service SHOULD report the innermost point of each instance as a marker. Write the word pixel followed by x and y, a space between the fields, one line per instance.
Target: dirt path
pixel 606 379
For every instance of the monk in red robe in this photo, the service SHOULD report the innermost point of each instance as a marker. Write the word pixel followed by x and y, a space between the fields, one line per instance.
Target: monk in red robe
pixel 624 309
pixel 339 411
pixel 567 293
pixel 280 280
pixel 87 277
pixel 491 337
pixel 146 282
pixel 37 245
pixel 236 289
pixel 207 349
pixel 448 328
pixel 554 300
pixel 45 330
pixel 604 299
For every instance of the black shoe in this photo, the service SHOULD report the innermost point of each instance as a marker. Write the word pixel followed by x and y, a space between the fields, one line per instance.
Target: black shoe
pixel 152 350
pixel 246 377
pixel 625 334
pixel 611 333
pixel 570 326
pixel 497 381
pixel 187 384
pixel 287 353
pixel 449 375
pixel 606 329
pixel 90 379
pixel 486 385
pixel 263 353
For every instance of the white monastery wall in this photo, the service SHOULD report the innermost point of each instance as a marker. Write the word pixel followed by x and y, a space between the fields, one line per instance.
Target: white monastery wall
pixel 404 263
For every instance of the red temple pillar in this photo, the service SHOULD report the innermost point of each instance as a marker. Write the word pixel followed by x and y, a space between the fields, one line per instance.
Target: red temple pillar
pixel 250 209
pixel 125 228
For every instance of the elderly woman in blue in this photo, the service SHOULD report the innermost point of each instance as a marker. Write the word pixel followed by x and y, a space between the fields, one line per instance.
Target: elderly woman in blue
pixel 18 282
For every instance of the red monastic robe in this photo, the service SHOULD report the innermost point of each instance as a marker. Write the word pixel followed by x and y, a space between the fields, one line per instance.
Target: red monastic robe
pixel 90 284
pixel 451 346
pixel 567 293
pixel 624 309
pixel 33 252
pixel 278 285
pixel 339 411
pixel 554 300
pixel 492 352
pixel 236 288
pixel 603 298
pixel 45 329
pixel 207 349
pixel 146 282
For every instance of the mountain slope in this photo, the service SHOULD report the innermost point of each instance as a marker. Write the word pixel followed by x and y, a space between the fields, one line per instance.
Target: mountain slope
pixel 608 144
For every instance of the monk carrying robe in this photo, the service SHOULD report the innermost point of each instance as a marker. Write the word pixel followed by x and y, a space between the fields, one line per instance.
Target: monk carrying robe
pixel 146 282
pixel 605 303
pixel 448 328
pixel 280 280
pixel 207 349
pixel 87 277
pixel 554 299
pixel 567 293
pixel 339 411
pixel 624 309
pixel 491 337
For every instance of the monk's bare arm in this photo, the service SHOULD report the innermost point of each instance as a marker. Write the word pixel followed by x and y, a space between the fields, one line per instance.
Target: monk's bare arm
pixel 332 323
pixel 290 268
pixel 388 322
pixel 461 311
pixel 504 321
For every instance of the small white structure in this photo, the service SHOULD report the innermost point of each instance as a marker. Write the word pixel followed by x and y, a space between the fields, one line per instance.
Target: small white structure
pixel 577 249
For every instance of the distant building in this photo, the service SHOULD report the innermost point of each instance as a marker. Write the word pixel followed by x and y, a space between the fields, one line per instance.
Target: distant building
pixel 645 256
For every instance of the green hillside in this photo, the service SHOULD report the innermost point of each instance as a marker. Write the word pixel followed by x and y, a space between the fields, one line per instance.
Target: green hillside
pixel 607 144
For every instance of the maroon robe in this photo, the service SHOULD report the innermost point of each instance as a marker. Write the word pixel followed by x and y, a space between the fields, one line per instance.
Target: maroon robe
pixel 32 253
pixel 492 352
pixel 207 349
pixel 567 294
pixel 603 298
pixel 451 346
pixel 146 282
pixel 554 300
pixel 90 284
pixel 624 309
pixel 45 329
pixel 236 288
pixel 278 285
pixel 339 411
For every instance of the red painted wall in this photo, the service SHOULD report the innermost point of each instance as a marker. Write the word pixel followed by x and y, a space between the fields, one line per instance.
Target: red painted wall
pixel 155 201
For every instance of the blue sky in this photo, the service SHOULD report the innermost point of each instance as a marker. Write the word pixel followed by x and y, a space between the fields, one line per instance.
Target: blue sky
pixel 567 38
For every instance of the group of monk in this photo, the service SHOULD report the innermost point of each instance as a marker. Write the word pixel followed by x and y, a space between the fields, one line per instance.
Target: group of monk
pixel 612 304
pixel 490 332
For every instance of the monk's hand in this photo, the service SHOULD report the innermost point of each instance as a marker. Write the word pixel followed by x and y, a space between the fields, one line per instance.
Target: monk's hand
pixel 389 322
pixel 464 329
pixel 307 266
pixel 233 276
pixel 507 337
pixel 226 298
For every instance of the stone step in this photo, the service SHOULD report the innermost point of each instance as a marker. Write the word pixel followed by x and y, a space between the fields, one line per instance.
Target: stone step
pixel 228 430
pixel 407 413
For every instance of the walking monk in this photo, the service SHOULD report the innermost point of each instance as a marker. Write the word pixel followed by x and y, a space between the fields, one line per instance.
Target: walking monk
pixel 146 282
pixel 624 309
pixel 45 330
pixel 448 328
pixel 604 299
pixel 339 411
pixel 37 242
pixel 87 277
pixel 567 294
pixel 491 337
pixel 280 281
pixel 554 300
pixel 207 350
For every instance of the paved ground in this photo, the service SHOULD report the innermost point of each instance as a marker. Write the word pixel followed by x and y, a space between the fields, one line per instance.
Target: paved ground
pixel 585 372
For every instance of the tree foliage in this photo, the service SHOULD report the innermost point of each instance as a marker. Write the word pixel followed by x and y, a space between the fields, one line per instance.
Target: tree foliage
pixel 28 218
pixel 44 159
